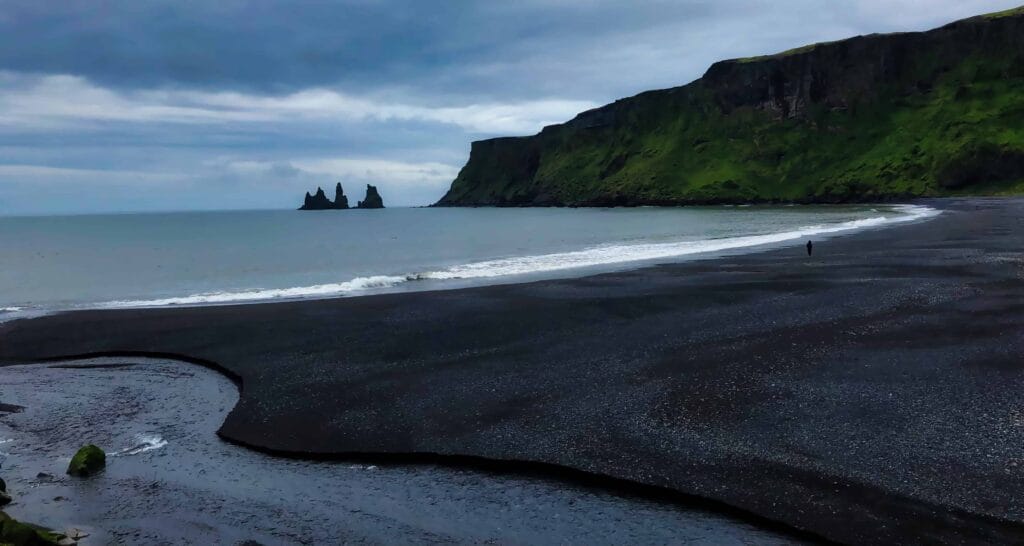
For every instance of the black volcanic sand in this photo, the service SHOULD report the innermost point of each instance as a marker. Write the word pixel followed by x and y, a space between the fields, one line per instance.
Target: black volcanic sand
pixel 170 480
pixel 871 393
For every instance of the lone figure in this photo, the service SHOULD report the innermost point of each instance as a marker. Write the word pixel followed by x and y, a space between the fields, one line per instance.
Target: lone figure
pixel 810 247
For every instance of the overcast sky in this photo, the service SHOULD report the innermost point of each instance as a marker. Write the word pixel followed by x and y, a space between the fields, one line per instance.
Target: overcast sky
pixel 130 105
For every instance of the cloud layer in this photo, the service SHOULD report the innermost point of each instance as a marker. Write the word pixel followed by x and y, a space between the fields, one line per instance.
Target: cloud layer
pixel 119 104
pixel 63 101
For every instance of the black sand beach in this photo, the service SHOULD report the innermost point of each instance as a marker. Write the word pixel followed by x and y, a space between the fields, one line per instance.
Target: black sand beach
pixel 170 481
pixel 870 393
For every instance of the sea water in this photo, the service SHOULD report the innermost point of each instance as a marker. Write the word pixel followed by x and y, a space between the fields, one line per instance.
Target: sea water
pixel 50 263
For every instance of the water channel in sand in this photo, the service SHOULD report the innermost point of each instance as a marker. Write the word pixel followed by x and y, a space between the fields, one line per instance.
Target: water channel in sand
pixel 171 480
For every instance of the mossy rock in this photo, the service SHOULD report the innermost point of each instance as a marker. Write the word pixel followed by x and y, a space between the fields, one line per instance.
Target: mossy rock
pixel 17 533
pixel 88 461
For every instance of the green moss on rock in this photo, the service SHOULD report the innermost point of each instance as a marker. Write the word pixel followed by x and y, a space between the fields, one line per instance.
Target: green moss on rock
pixel 87 461
pixel 17 533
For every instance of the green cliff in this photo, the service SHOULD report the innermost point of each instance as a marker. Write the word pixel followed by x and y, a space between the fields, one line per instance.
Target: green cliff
pixel 864 119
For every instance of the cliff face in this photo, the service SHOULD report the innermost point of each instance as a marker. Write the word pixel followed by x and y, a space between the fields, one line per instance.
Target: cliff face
pixel 866 118
pixel 835 75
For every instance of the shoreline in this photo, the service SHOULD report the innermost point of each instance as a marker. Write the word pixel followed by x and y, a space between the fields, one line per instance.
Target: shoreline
pixel 510 467
pixel 583 262
pixel 178 408
pixel 738 442
pixel 630 202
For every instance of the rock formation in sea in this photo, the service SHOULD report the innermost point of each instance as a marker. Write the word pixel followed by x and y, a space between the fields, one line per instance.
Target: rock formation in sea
pixel 864 119
pixel 87 461
pixel 319 201
pixel 372 200
pixel 340 201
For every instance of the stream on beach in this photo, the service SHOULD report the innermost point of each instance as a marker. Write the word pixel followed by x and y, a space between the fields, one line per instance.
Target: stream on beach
pixel 171 480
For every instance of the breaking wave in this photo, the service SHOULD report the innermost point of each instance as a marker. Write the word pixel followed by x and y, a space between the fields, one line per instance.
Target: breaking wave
pixel 359 284
pixel 144 443
pixel 539 264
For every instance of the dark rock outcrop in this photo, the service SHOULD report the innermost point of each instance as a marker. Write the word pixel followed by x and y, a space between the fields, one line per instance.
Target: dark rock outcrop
pixel 372 200
pixel 340 201
pixel 316 202
pixel 17 533
pixel 10 408
pixel 87 461
pixel 321 202
pixel 863 119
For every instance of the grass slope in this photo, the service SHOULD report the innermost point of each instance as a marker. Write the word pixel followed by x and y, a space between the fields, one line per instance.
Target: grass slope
pixel 945 124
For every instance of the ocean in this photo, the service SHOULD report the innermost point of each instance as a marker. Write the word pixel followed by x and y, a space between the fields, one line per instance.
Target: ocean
pixel 52 263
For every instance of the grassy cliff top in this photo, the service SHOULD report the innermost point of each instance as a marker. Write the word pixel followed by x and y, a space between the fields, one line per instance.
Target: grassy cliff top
pixel 882 116
pixel 1005 13
pixel 787 53
pixel 1012 12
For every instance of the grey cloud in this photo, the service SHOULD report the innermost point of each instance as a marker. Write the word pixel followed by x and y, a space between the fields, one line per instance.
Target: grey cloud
pixel 159 104
pixel 284 170
pixel 459 48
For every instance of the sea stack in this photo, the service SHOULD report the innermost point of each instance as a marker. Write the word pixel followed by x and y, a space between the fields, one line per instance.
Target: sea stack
pixel 340 201
pixel 372 200
pixel 319 201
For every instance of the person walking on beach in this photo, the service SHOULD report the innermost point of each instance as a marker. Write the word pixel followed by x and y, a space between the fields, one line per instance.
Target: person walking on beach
pixel 810 247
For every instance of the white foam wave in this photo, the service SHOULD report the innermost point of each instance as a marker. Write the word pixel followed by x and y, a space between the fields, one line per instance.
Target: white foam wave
pixel 333 289
pixel 617 254
pixel 9 309
pixel 145 442
pixel 545 263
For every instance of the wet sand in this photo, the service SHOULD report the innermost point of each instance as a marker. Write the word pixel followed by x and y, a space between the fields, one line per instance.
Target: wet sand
pixel 170 480
pixel 869 393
